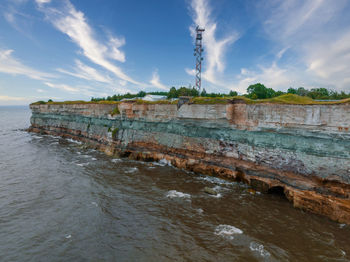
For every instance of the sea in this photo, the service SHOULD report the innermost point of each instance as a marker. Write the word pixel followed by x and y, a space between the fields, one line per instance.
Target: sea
pixel 61 201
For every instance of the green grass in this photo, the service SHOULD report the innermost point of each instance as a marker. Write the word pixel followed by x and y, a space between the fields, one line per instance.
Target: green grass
pixel 210 100
pixel 75 102
pixel 283 99
pixel 295 100
pixel 159 102
pixel 290 99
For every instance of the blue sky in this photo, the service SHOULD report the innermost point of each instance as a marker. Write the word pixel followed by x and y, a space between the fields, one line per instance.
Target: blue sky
pixel 70 49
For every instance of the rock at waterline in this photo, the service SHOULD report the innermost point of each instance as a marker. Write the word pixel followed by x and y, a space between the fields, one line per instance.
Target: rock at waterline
pixel 210 191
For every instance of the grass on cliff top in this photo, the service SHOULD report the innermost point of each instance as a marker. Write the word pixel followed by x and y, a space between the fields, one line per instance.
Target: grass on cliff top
pixel 162 102
pixel 75 102
pixel 294 99
pixel 283 99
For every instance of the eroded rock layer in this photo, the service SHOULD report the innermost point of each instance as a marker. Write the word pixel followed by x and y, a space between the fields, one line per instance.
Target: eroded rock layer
pixel 303 150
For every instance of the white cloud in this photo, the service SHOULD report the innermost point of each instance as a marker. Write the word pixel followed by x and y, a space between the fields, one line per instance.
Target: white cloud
pixel 11 65
pixel 12 98
pixel 18 100
pixel 214 49
pixel 155 81
pixel 315 33
pixel 42 1
pixel 123 83
pixel 272 77
pixel 74 24
pixel 86 72
pixel 114 52
pixel 64 87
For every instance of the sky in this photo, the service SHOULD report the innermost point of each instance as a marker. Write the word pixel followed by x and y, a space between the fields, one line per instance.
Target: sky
pixel 78 49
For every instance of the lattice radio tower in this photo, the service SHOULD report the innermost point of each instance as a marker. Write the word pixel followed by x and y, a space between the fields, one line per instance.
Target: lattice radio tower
pixel 198 54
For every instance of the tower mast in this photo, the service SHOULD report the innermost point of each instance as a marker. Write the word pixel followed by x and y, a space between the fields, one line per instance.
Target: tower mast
pixel 198 54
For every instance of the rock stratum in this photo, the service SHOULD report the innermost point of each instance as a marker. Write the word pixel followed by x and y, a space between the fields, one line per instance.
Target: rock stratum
pixel 302 150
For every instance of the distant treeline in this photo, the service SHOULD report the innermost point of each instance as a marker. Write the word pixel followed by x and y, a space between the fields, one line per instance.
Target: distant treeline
pixel 256 91
pixel 173 93
pixel 259 91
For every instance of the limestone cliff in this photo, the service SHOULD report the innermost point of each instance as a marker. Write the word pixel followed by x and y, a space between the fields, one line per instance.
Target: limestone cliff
pixel 303 149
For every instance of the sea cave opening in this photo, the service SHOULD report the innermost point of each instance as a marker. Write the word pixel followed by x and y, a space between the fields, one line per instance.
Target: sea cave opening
pixel 277 190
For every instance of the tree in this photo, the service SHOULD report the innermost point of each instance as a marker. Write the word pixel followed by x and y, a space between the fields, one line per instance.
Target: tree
pixel 233 93
pixel 173 93
pixel 204 93
pixel 291 90
pixel 302 91
pixel 259 91
pixel 141 94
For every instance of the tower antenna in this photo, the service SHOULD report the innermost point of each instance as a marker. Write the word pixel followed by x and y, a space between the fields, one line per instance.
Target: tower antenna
pixel 198 54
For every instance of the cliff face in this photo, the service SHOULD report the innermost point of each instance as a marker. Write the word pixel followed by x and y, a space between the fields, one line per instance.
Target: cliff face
pixel 303 149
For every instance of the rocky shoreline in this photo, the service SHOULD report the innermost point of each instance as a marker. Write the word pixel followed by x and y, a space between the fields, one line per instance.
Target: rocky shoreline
pixel 302 151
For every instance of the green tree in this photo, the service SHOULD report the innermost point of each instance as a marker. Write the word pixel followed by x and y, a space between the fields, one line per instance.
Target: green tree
pixel 302 91
pixel 259 91
pixel 233 93
pixel 173 93
pixel 291 90
pixel 141 94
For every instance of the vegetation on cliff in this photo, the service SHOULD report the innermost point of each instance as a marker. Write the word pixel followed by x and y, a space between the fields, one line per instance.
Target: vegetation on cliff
pixel 256 93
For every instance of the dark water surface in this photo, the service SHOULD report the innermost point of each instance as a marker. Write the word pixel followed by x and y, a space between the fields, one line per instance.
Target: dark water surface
pixel 60 202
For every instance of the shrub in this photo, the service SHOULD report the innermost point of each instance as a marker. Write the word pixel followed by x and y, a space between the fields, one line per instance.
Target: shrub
pixel 115 111
pixel 114 133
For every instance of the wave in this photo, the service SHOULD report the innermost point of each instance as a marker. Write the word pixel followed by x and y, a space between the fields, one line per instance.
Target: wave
pixel 82 164
pixel 74 141
pixel 162 162
pixel 177 194
pixel 227 231
pixel 256 247
pixel 131 170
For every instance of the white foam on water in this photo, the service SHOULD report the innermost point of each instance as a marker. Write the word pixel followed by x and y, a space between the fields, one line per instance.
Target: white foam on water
pixel 54 143
pixel 177 194
pixel 218 195
pixel 256 247
pixel 74 141
pixel 54 137
pixel 216 180
pixel 82 164
pixel 93 159
pixel 116 160
pixel 162 162
pixel 68 236
pixel 227 231
pixel 79 153
pixel 94 203
pixel 342 225
pixel 131 170
pixel 37 137
pixel 200 211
